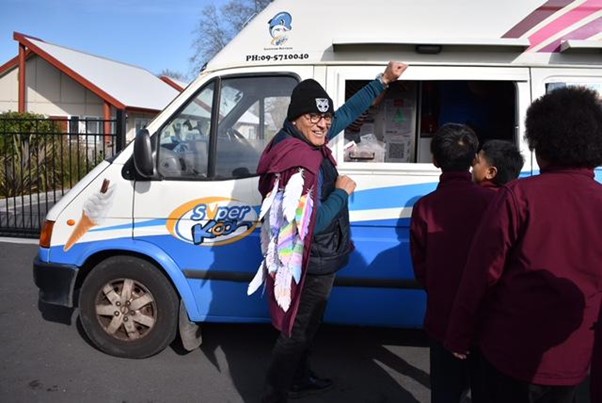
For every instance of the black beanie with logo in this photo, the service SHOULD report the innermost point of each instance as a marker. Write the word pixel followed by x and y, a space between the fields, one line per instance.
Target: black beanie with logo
pixel 308 97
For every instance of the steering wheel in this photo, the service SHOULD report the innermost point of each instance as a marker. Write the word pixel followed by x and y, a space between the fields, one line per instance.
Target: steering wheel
pixel 235 135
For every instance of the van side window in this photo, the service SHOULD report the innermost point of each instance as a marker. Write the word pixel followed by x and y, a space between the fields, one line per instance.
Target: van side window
pixel 588 83
pixel 250 110
pixel 400 124
pixel 184 140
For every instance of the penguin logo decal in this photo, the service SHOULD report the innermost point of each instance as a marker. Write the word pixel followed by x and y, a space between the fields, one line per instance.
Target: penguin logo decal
pixel 279 26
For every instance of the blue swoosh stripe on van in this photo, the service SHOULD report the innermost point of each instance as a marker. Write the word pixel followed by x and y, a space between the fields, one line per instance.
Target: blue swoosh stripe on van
pixel 149 223
pixel 390 197
pixel 388 222
pixel 112 227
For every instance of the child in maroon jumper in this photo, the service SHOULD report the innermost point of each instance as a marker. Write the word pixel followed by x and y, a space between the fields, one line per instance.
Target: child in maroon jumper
pixel 497 163
pixel 595 382
pixel 441 230
pixel 531 290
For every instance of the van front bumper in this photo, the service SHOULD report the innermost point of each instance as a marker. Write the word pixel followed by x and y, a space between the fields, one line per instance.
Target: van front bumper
pixel 55 281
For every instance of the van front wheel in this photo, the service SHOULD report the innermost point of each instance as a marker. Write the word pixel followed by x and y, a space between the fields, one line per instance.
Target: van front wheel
pixel 128 308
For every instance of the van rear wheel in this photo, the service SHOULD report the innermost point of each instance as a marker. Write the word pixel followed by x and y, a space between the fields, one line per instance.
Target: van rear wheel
pixel 128 308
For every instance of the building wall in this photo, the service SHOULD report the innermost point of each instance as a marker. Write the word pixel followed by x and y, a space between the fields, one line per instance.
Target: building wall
pixel 9 91
pixel 53 93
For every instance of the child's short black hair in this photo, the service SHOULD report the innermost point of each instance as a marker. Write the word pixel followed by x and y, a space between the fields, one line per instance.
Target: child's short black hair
pixel 454 147
pixel 505 157
pixel 564 127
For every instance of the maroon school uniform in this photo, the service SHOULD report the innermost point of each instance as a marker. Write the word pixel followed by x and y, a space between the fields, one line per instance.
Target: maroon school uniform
pixel 489 185
pixel 596 372
pixel 534 278
pixel 443 224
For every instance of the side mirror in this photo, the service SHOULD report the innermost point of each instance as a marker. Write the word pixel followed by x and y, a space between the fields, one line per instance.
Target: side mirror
pixel 143 154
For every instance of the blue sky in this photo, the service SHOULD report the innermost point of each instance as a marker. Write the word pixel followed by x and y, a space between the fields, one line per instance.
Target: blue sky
pixel 152 34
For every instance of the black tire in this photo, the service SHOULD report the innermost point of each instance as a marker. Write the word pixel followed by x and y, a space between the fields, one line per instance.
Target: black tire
pixel 128 308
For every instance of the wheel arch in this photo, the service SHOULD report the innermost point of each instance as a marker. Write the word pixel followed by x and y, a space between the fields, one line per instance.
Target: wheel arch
pixel 152 254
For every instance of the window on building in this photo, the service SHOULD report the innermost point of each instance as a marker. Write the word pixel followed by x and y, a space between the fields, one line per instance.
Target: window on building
pixel 141 123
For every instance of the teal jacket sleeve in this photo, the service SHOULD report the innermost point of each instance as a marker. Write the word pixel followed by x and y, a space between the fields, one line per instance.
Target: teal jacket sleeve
pixel 329 209
pixel 355 106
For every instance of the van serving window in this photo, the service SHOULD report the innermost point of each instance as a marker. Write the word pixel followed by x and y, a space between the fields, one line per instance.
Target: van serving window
pixel 399 125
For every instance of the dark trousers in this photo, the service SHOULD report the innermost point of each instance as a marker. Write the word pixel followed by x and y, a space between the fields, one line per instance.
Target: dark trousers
pixel 290 355
pixel 451 378
pixel 502 389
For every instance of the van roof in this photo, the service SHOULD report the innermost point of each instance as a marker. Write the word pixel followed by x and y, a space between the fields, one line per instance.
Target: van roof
pixel 521 32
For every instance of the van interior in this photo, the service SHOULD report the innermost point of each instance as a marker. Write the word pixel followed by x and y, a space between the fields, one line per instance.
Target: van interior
pixel 400 124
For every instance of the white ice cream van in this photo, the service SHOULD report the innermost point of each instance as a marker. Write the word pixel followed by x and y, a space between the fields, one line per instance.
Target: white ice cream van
pixel 165 234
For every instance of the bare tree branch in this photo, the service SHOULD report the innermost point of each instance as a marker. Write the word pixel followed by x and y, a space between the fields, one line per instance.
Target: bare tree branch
pixel 217 27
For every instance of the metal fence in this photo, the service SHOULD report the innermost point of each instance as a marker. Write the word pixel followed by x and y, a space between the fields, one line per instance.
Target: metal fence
pixel 41 159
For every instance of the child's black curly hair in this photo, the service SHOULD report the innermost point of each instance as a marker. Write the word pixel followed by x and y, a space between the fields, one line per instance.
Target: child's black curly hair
pixel 564 127
pixel 454 147
pixel 505 157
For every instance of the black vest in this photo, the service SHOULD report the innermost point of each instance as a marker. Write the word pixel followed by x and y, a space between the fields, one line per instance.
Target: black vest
pixel 330 248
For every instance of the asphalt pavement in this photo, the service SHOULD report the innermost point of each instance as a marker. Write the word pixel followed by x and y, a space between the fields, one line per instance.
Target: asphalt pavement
pixel 46 358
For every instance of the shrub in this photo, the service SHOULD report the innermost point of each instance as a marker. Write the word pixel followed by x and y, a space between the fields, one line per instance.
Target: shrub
pixel 31 153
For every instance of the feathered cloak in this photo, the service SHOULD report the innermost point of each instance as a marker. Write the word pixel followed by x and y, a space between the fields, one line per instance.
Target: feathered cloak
pixel 281 166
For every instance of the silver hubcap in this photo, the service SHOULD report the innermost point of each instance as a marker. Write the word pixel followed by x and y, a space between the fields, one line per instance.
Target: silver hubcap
pixel 126 309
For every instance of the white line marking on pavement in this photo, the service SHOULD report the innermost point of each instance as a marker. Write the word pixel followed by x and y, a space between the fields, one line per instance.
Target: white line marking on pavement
pixel 19 240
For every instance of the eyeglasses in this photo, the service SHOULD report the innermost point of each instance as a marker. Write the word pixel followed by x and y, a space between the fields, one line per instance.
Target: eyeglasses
pixel 316 117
